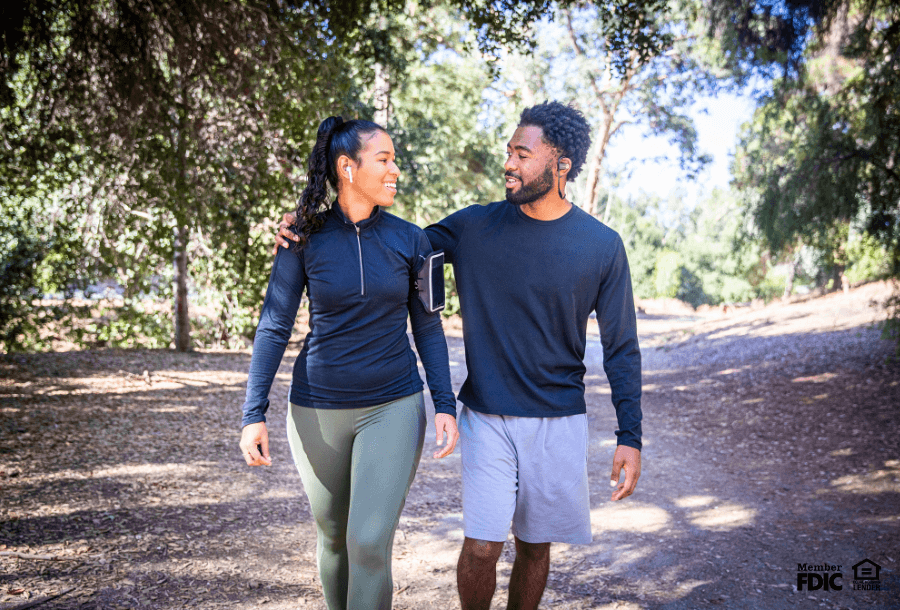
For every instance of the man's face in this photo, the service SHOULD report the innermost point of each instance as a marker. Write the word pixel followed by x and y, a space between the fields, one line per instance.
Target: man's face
pixel 529 166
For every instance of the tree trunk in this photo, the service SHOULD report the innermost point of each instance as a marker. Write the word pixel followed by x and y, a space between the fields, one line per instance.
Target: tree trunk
pixel 382 96
pixel 835 279
pixel 182 231
pixel 606 131
pixel 589 203
pixel 609 97
pixel 182 319
pixel 608 211
pixel 789 282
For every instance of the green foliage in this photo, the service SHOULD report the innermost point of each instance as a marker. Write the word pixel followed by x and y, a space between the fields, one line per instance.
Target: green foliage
pixel 123 123
pixel 734 290
pixel 667 274
pixel 189 118
pixel 36 259
pixel 821 150
pixel 762 38
pixel 644 236
pixel 20 252
pixel 196 116
pixel 448 160
pixel 700 256
pixel 452 295
pixel 867 259
pixel 231 279
pixel 579 58
pixel 133 323
pixel 890 328
pixel 447 155
pixel 718 250
pixel 770 285
pixel 690 288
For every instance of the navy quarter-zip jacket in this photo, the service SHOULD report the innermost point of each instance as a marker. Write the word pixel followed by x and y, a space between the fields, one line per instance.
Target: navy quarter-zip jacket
pixel 360 282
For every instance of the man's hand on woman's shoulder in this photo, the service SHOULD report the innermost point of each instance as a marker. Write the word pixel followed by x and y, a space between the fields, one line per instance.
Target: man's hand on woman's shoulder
pixel 285 236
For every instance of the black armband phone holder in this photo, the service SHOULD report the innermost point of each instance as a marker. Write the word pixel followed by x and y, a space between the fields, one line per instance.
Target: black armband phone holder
pixel 430 282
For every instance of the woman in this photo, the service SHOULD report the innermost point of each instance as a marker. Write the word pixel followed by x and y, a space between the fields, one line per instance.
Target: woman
pixel 356 420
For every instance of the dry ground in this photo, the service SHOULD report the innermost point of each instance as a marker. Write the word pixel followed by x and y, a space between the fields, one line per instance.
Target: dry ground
pixel 771 439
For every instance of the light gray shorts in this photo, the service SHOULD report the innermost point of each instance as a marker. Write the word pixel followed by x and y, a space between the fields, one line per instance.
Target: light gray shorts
pixel 531 471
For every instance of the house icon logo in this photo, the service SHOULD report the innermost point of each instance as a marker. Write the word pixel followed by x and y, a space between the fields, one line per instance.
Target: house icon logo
pixel 866 576
pixel 866 570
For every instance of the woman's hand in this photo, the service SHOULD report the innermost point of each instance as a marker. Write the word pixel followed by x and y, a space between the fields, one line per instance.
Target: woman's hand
pixel 255 444
pixel 285 236
pixel 444 423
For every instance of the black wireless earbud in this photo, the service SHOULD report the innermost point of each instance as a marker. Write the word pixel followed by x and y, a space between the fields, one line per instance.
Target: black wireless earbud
pixel 560 166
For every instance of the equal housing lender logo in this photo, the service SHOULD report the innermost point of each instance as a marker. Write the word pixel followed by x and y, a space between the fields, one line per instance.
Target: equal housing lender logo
pixel 830 577
pixel 867 576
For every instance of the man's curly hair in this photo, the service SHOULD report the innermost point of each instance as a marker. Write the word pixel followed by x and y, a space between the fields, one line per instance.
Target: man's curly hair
pixel 565 128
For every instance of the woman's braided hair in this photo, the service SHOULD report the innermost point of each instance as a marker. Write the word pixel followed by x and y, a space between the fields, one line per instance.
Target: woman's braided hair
pixel 334 138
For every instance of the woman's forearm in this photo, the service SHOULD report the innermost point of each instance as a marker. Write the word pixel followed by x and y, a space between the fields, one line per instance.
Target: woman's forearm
pixel 431 344
pixel 273 332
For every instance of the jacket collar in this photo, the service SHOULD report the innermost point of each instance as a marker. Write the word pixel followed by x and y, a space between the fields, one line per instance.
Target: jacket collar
pixel 362 224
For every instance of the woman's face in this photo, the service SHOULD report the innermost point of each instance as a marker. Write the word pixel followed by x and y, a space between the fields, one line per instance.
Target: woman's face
pixel 375 176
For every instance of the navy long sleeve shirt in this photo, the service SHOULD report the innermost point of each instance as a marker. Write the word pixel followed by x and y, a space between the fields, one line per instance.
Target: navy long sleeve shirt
pixel 527 288
pixel 360 283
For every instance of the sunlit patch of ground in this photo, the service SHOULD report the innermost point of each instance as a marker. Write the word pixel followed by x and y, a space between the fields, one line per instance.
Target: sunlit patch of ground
pixel 879 481
pixel 631 517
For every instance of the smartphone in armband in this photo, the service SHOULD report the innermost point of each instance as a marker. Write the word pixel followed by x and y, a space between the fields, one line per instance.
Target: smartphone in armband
pixel 430 282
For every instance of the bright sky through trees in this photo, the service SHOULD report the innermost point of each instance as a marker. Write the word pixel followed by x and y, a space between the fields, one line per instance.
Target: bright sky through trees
pixel 655 169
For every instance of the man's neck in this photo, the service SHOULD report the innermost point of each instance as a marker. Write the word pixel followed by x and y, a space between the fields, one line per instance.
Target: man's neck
pixel 549 207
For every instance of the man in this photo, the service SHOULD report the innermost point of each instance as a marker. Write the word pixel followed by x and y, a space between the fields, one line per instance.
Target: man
pixel 529 271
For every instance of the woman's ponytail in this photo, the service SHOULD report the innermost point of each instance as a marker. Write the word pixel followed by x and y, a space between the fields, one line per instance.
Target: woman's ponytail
pixel 310 214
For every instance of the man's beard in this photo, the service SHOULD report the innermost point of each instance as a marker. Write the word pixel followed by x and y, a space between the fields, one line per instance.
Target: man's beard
pixel 531 192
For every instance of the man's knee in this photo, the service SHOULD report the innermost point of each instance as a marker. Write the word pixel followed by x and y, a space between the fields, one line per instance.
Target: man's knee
pixel 481 551
pixel 532 551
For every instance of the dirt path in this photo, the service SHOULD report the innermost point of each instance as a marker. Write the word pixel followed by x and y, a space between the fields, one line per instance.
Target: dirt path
pixel 771 439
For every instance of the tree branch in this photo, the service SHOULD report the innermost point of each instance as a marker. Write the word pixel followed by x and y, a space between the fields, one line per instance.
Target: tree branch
pixel 580 53
pixel 619 124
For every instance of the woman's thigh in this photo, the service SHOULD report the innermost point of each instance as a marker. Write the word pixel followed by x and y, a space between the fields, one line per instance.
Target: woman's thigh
pixel 321 442
pixel 386 454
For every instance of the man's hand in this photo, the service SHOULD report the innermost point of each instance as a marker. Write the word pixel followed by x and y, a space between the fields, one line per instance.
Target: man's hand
pixel 628 458
pixel 253 438
pixel 444 423
pixel 285 236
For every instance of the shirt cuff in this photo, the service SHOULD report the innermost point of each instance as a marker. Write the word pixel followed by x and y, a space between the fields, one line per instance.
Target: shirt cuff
pixel 254 417
pixel 627 442
pixel 446 411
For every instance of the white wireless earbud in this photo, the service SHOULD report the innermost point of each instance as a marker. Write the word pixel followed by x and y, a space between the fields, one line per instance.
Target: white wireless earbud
pixel 350 174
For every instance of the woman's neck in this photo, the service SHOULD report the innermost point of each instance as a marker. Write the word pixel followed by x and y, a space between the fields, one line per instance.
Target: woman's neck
pixel 354 208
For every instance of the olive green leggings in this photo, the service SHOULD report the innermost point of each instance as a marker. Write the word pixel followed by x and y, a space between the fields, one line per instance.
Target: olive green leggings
pixel 357 466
